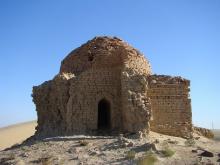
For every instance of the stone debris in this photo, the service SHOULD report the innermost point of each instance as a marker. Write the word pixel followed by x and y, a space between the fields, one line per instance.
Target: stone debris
pixel 207 154
pixel 24 154
pixel 94 151
pixel 153 147
pixel 194 151
pixel 157 141
pixel 107 150
pixel 204 132
pixel 124 142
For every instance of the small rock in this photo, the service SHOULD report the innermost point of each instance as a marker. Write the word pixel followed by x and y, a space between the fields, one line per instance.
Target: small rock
pixel 151 146
pixel 207 154
pixel 130 144
pixel 200 159
pixel 156 141
pixel 140 134
pixel 73 150
pixel 218 160
pixel 24 155
pixel 124 142
pixel 95 153
pixel 197 138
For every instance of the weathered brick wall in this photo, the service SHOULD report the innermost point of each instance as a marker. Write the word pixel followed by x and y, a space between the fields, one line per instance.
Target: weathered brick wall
pixel 171 105
pixel 51 99
pixel 135 103
pixel 108 68
pixel 68 104
pixel 203 132
pixel 85 93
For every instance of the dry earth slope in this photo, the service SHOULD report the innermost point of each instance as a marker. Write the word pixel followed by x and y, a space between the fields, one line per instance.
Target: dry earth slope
pixel 16 133
pixel 154 149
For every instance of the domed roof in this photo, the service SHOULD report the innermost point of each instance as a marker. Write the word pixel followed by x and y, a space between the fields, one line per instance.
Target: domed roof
pixel 103 52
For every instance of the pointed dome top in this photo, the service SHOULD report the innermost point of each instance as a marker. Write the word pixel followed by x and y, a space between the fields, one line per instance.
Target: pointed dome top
pixel 103 52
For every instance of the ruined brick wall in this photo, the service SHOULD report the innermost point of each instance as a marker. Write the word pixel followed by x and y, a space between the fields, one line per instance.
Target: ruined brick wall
pixel 85 93
pixel 108 68
pixel 136 110
pixel 51 100
pixel 171 105
pixel 68 104
pixel 135 102
pixel 203 132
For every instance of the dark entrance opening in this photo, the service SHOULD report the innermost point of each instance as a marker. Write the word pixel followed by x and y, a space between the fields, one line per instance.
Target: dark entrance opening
pixel 104 116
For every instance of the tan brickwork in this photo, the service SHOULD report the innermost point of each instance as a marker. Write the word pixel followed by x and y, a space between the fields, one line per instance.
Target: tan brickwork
pixel 171 105
pixel 109 69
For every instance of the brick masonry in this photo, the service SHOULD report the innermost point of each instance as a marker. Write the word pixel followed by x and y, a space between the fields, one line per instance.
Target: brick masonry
pixel 171 105
pixel 109 69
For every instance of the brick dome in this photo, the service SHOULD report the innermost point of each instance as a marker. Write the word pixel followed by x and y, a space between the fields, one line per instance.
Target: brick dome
pixel 103 52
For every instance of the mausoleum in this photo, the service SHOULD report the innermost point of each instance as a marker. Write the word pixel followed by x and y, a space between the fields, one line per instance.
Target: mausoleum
pixel 106 85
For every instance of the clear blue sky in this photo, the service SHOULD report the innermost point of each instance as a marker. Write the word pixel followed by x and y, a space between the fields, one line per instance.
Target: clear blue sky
pixel 178 37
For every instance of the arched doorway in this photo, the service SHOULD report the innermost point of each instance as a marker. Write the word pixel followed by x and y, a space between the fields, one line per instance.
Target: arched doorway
pixel 104 115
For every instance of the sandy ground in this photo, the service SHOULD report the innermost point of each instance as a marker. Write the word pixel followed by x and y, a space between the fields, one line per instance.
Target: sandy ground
pixel 109 150
pixel 102 150
pixel 16 133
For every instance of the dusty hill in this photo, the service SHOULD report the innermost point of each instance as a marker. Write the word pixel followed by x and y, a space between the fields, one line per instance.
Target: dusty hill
pixel 16 133
pixel 156 148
